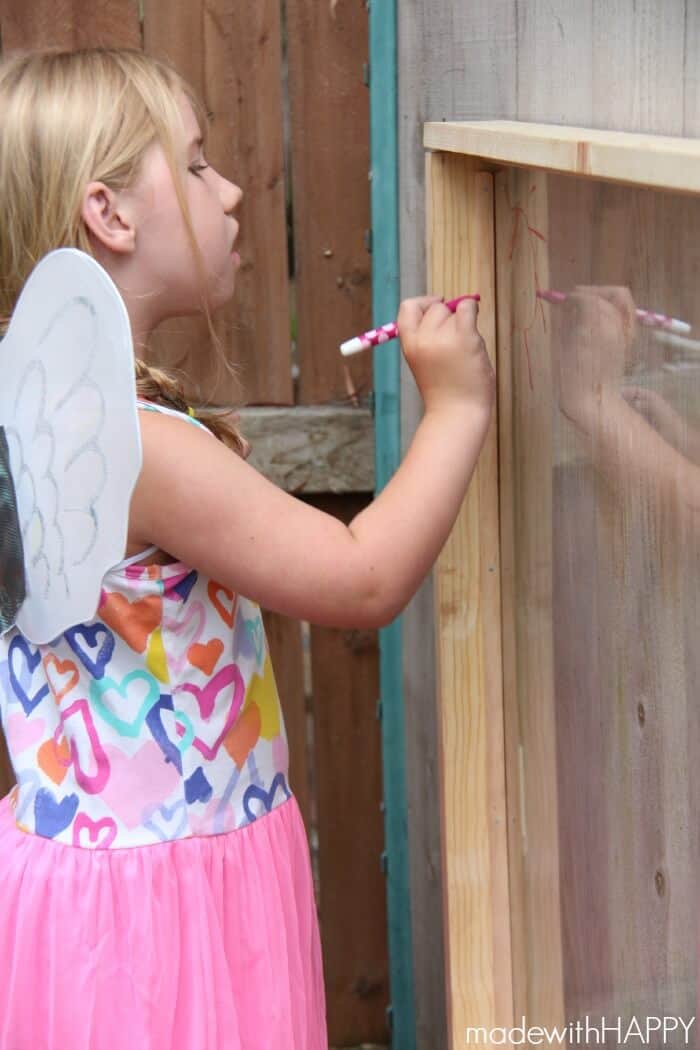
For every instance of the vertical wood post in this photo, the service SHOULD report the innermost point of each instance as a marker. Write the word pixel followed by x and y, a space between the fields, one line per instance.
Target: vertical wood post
pixel 460 254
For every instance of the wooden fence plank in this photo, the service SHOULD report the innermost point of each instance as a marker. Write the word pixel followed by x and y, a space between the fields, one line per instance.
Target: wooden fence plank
pixel 69 23
pixel 7 773
pixel 347 745
pixel 231 54
pixel 327 46
pixel 284 641
pixel 639 55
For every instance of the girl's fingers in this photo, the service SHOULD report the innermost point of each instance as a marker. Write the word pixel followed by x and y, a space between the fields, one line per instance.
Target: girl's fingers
pixel 436 315
pixel 426 301
pixel 412 311
pixel 431 312
pixel 466 313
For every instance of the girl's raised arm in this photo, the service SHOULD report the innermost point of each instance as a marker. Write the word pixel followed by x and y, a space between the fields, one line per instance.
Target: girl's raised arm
pixel 207 507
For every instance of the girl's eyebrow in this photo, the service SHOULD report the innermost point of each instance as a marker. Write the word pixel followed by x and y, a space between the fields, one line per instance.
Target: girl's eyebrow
pixel 199 141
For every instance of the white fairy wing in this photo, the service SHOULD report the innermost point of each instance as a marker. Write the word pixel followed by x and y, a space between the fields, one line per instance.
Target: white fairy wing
pixel 68 405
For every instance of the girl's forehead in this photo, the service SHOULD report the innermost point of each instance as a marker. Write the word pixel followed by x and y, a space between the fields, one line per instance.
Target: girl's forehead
pixel 191 128
pixel 154 169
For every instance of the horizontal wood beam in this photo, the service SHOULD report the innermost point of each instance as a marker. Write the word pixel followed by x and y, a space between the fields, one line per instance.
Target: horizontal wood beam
pixel 312 448
pixel 638 160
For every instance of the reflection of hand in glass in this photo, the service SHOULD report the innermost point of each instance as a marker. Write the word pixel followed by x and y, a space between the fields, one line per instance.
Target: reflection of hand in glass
pixel 664 418
pixel 598 331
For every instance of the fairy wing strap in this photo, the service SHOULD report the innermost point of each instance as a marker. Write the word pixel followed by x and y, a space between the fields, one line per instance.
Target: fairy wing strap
pixel 70 449
pixel 12 588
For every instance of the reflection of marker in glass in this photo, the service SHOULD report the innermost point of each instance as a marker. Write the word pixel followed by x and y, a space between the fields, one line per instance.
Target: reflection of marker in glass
pixel 680 342
pixel 387 331
pixel 646 317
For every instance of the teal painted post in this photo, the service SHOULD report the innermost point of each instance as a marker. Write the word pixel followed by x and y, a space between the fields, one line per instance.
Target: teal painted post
pixel 384 244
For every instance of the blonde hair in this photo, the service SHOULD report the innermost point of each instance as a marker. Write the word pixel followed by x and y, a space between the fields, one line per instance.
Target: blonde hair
pixel 68 118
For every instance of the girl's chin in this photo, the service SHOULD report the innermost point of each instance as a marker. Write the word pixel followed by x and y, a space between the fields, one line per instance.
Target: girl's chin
pixel 223 296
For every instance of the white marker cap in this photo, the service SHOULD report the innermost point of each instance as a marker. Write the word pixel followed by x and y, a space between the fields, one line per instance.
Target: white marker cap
pixel 679 341
pixel 352 346
pixel 681 327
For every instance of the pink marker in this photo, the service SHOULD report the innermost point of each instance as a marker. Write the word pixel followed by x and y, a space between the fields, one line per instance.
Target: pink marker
pixel 388 331
pixel 646 317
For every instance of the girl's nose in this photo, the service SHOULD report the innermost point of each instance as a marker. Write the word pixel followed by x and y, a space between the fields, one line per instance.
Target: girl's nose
pixel 231 196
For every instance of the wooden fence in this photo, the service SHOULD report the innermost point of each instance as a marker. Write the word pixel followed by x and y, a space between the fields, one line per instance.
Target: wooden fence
pixel 283 82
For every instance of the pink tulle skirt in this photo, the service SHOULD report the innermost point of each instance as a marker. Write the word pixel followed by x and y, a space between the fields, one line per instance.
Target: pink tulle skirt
pixel 206 943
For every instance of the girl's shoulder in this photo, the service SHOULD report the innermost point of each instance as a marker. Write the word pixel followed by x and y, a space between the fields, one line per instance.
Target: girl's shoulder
pixel 204 504
pixel 151 406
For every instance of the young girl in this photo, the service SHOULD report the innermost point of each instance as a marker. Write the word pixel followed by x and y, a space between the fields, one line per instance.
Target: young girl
pixel 156 882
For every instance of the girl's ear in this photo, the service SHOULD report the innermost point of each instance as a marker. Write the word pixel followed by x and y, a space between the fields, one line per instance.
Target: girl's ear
pixel 107 218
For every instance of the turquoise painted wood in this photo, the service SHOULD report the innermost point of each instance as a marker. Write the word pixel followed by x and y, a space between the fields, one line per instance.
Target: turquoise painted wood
pixel 387 424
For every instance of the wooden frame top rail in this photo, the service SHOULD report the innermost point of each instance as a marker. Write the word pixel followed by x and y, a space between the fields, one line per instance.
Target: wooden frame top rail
pixel 663 162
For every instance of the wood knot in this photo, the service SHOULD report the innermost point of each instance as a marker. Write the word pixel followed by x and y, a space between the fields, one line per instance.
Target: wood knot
pixel 359 640
pixel 364 987
pixel 583 157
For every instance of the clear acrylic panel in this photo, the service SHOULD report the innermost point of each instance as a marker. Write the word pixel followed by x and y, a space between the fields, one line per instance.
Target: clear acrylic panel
pixel 599 432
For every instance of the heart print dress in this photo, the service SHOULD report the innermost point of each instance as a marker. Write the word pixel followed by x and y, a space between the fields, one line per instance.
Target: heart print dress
pixel 155 871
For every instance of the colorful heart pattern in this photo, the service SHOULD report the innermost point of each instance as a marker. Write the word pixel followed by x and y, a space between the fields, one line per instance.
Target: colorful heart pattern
pixel 158 720
pixel 217 707
pixel 94 834
pixel 62 676
pixel 205 657
pixel 23 660
pixel 93 645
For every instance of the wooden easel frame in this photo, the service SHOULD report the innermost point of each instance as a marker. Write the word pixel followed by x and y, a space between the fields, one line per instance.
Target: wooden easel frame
pixel 482 827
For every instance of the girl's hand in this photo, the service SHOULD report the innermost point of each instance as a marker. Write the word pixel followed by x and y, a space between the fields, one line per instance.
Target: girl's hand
pixel 446 354
pixel 599 326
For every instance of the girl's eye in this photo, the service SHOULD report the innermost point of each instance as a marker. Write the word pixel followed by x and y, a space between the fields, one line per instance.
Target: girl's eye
pixel 196 168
